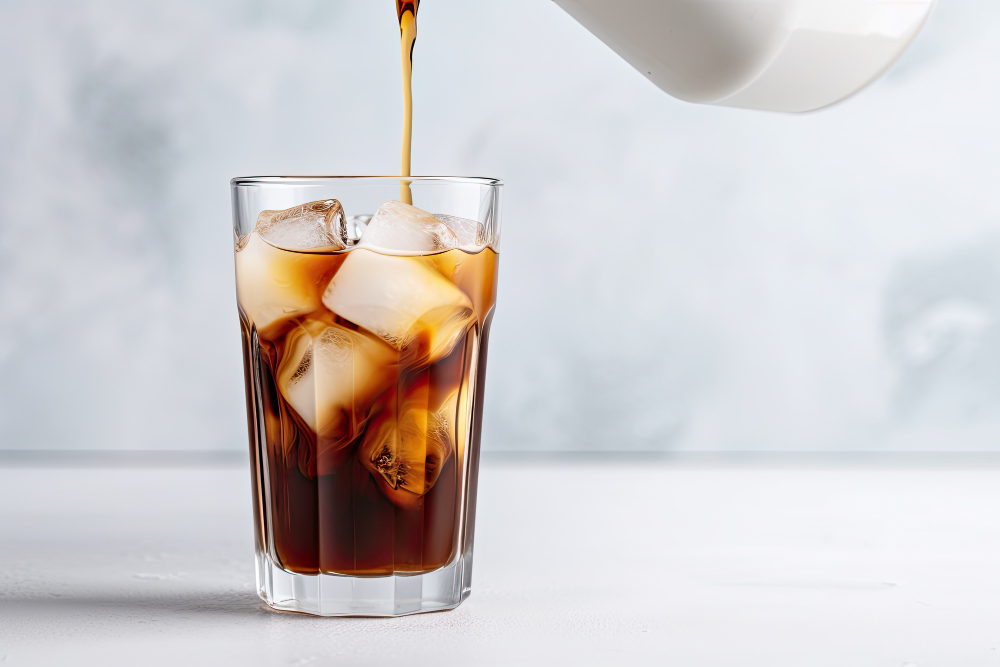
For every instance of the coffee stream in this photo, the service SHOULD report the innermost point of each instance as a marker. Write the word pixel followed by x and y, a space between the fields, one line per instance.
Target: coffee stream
pixel 406 12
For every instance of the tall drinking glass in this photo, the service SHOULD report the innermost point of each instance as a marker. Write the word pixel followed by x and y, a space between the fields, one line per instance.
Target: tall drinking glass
pixel 365 324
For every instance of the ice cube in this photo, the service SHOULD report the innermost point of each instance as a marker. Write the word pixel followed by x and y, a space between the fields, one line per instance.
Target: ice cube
pixel 331 375
pixel 403 229
pixel 403 301
pixel 405 448
pixel 471 234
pixel 318 225
pixel 274 286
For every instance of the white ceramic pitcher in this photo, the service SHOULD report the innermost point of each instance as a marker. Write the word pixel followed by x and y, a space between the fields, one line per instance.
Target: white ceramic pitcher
pixel 779 55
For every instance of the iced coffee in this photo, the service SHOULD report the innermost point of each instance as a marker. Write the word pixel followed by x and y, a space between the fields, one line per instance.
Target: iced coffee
pixel 365 347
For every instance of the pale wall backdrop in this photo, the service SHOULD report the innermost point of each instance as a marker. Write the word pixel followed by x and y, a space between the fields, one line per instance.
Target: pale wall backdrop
pixel 673 277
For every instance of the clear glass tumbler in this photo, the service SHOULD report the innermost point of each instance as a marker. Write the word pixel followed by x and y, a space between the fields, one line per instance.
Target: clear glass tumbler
pixel 364 347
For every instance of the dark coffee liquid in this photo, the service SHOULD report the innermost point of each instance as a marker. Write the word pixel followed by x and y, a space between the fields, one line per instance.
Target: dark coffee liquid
pixel 321 505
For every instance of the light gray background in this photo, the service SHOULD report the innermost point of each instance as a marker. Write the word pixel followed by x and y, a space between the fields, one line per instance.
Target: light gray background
pixel 673 276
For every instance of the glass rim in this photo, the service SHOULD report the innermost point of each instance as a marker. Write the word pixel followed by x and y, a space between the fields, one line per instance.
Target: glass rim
pixel 307 180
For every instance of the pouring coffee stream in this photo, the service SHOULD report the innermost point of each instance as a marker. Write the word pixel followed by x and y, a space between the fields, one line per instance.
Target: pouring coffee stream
pixel 406 12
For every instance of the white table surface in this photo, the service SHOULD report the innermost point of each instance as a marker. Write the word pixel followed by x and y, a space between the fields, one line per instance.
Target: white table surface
pixel 589 563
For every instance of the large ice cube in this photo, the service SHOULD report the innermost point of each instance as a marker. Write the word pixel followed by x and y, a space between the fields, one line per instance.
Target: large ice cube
pixel 317 225
pixel 402 300
pixel 331 375
pixel 405 447
pixel 274 286
pixel 404 229
pixel 276 283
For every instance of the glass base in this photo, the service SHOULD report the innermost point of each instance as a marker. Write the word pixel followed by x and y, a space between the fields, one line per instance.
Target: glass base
pixel 337 595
